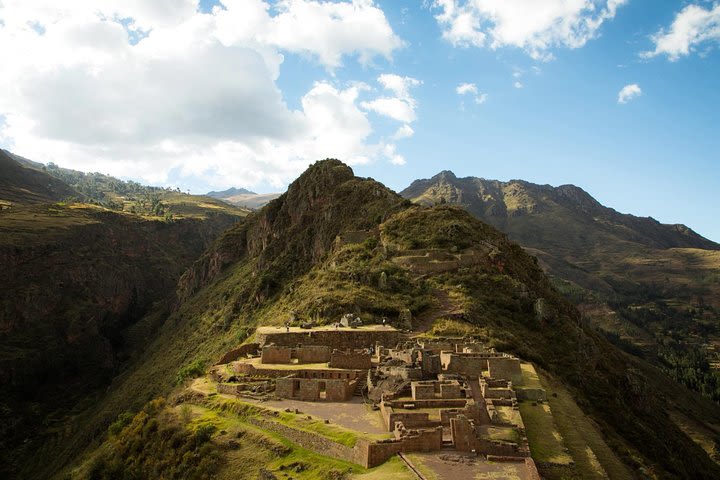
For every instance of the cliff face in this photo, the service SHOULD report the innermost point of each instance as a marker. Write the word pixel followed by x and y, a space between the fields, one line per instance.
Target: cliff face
pixel 296 229
pixel 75 282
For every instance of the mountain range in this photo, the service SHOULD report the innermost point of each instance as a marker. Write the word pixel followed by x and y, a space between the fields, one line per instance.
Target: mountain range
pixel 651 284
pixel 133 287
pixel 243 198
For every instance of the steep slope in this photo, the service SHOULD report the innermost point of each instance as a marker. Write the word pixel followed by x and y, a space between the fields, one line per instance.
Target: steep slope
pixel 643 282
pixel 24 185
pixel 76 279
pixel 299 255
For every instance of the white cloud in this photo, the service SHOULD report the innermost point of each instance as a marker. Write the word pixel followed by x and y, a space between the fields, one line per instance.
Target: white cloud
pixel 394 108
pixel 518 84
pixel 692 26
pixel 402 106
pixel 628 92
pixel 464 88
pixel 471 89
pixel 154 88
pixel 399 85
pixel 405 131
pixel 535 26
pixel 393 156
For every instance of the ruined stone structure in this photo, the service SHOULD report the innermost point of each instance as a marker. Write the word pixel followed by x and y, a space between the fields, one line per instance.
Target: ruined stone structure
pixel 431 393
pixel 340 339
pixel 357 359
pixel 505 367
pixel 303 354
pixel 314 389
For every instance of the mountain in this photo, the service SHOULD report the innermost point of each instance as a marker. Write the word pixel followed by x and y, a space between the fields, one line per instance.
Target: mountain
pixel 648 285
pixel 20 184
pixel 244 198
pixel 78 280
pixel 335 243
pixel 230 192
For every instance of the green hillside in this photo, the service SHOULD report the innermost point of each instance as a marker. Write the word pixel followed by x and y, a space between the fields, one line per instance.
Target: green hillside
pixel 298 255
pixel 77 278
pixel 652 288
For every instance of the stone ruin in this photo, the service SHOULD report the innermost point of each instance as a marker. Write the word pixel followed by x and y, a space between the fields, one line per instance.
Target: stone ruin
pixel 432 393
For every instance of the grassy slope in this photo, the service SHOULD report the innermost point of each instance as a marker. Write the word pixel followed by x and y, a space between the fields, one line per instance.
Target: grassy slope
pixel 23 185
pixel 76 278
pixel 649 284
pixel 282 258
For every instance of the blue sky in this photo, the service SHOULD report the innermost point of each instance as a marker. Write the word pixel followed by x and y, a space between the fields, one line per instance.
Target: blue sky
pixel 654 155
pixel 657 155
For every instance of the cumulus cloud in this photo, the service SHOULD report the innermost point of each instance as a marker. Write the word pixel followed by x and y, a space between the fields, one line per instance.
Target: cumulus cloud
pixel 472 90
pixel 535 26
pixel 392 155
pixel 692 26
pixel 405 131
pixel 154 88
pixel 629 92
pixel 401 106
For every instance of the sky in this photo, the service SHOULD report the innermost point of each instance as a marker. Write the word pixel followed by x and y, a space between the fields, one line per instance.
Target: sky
pixel 619 97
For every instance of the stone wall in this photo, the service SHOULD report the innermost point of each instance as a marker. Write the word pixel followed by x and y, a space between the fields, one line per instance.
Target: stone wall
pixel 430 364
pixel 422 390
pixel 404 372
pixel 507 368
pixel 463 433
pixel 451 390
pixel 276 354
pixel 356 360
pixel 338 339
pixel 533 394
pixel 314 390
pixel 405 355
pixel 365 453
pixel 240 352
pixel 421 441
pixel 468 364
pixel 408 419
pixel 311 354
pixel 316 443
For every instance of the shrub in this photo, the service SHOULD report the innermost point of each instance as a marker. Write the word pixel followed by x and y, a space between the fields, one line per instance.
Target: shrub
pixel 192 370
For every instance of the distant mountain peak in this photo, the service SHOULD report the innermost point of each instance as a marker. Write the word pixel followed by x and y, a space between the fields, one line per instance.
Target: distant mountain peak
pixel 230 192
pixel 559 212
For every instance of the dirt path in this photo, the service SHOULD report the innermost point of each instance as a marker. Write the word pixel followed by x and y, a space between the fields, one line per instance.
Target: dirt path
pixel 444 307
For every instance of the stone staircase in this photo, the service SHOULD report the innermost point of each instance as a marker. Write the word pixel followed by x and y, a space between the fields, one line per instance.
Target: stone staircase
pixel 360 387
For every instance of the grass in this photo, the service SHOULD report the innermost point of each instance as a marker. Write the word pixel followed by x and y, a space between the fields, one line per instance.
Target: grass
pixel 546 443
pixel 263 449
pixel 393 468
pixel 701 434
pixel 592 456
pixel 504 434
pixel 336 433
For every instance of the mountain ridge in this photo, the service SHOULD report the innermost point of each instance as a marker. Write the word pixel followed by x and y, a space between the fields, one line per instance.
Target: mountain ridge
pixel 578 197
pixel 289 259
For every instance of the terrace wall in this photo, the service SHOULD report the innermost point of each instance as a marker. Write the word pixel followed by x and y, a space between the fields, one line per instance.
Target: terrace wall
pixel 507 368
pixel 276 354
pixel 354 360
pixel 240 352
pixel 337 339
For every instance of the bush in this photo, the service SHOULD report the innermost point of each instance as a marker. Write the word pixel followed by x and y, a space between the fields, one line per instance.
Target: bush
pixel 193 370
pixel 123 420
